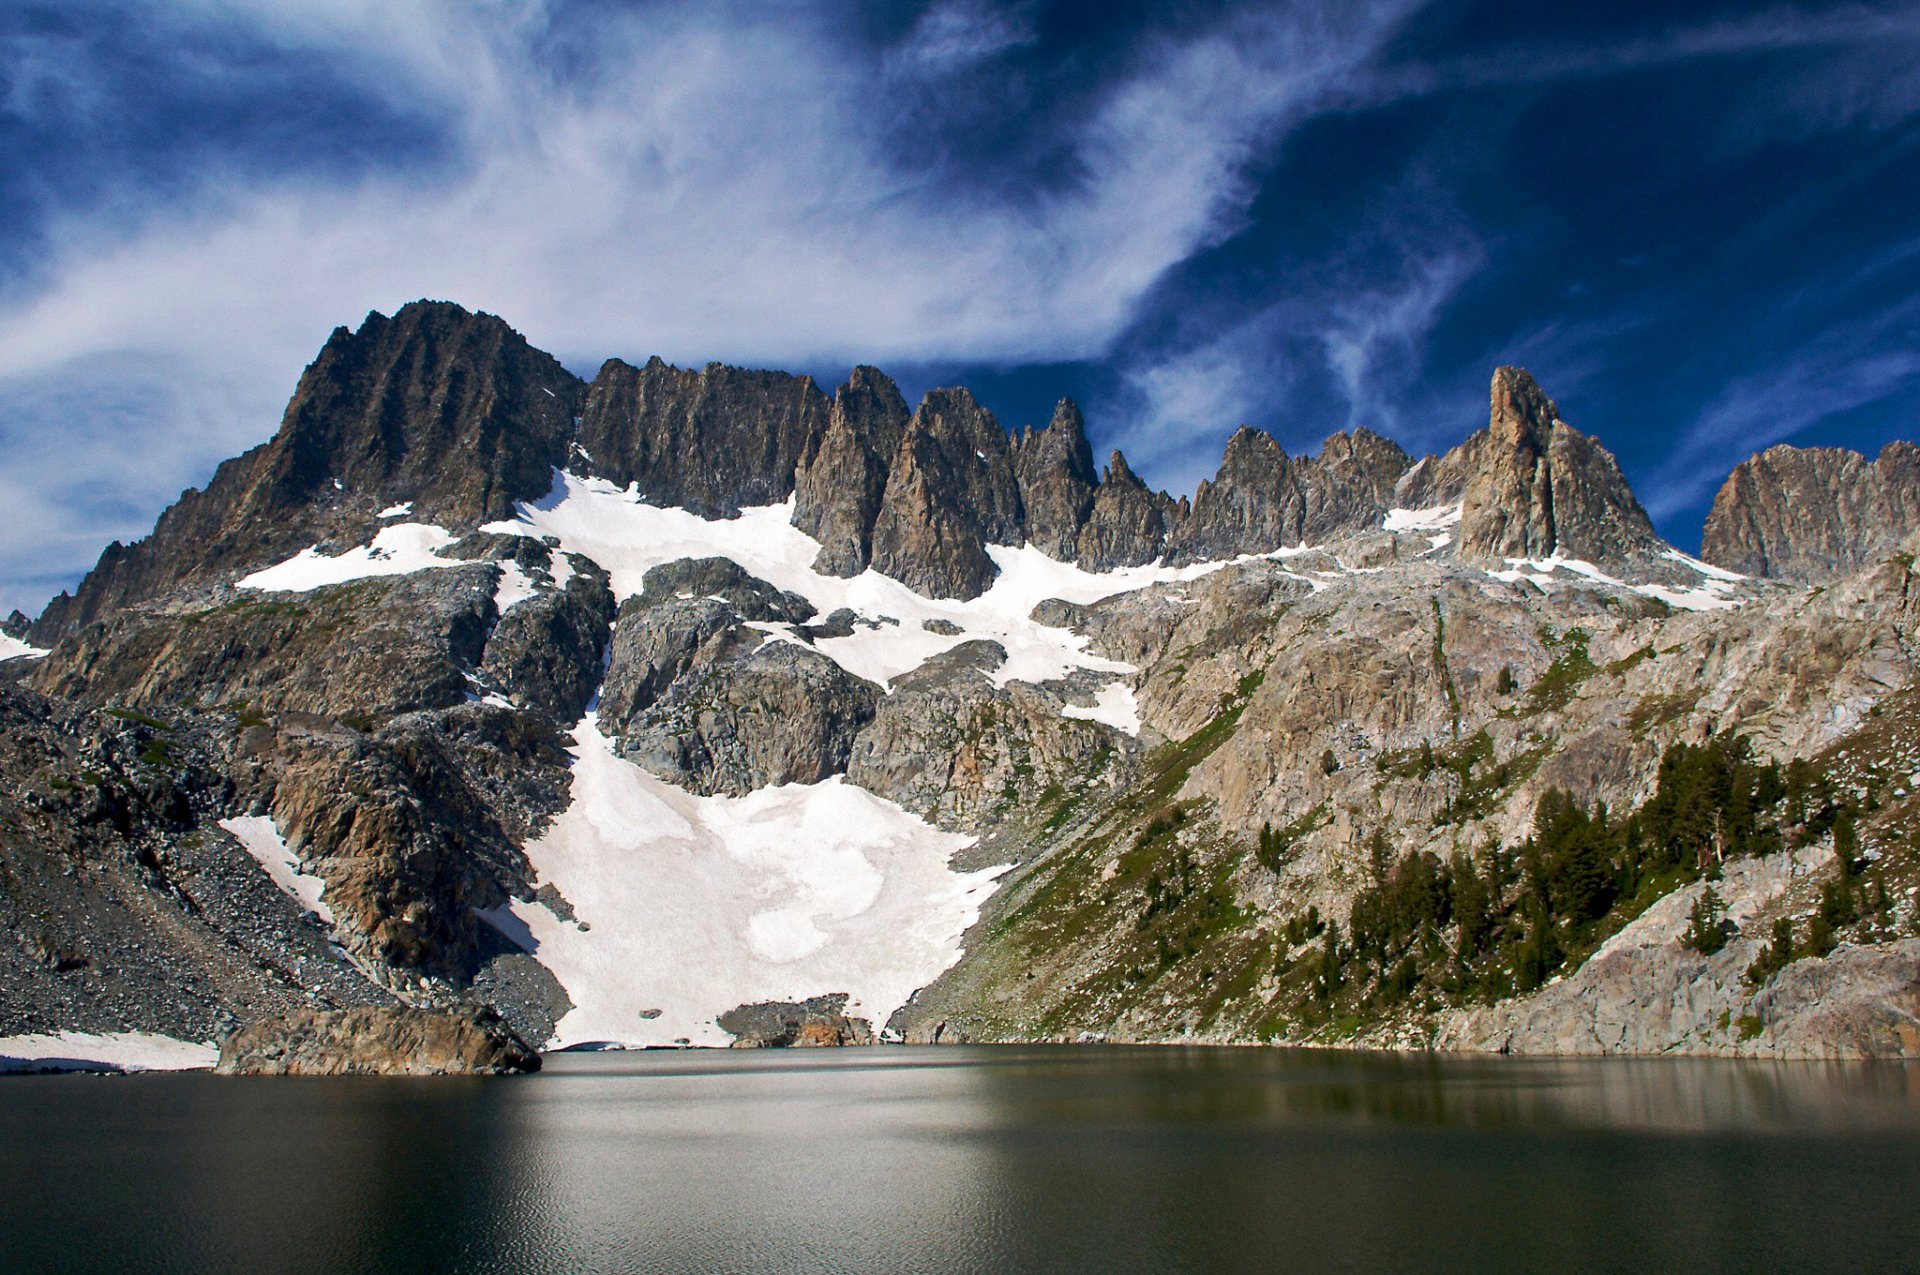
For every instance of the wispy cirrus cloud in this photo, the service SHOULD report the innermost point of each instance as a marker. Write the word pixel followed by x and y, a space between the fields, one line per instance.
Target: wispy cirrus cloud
pixel 697 182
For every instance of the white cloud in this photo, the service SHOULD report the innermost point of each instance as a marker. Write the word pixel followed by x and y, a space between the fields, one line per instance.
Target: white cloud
pixel 701 183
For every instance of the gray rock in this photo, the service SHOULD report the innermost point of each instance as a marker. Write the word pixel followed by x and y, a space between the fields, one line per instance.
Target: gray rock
pixel 1814 513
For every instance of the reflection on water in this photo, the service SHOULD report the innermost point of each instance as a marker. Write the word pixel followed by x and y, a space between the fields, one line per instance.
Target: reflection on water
pixel 972 1160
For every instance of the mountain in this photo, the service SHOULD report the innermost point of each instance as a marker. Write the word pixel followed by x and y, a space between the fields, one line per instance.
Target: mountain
pixel 711 707
pixel 1814 513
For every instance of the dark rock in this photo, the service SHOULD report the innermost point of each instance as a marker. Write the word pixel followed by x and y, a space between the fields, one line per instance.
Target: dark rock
pixel 546 652
pixel 1055 472
pixel 749 713
pixel 1814 513
pixel 1252 505
pixel 452 411
pixel 839 487
pixel 810 1024
pixel 367 648
pixel 952 491
pixel 1127 525
pixel 397 1041
pixel 712 441
pixel 728 581
pixel 1349 485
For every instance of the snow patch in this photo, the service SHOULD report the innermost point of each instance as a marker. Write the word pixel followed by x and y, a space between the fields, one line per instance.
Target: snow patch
pixel 1713 594
pixel 263 841
pixel 104 1051
pixel 693 905
pixel 614 527
pixel 398 550
pixel 12 648
pixel 1114 705
pixel 400 510
pixel 1438 518
pixel 515 587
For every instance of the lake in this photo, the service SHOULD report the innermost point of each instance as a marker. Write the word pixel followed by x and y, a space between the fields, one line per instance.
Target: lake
pixel 975 1159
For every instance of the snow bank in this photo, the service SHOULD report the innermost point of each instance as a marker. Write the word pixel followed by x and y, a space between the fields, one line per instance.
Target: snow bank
pixel 1114 705
pixel 693 905
pixel 264 842
pixel 111 1051
pixel 12 648
pixel 1439 518
pixel 1714 593
pixel 398 550
pixel 614 527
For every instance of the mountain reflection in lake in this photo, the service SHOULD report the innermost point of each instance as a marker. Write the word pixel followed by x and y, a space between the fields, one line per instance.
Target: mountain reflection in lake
pixel 975 1159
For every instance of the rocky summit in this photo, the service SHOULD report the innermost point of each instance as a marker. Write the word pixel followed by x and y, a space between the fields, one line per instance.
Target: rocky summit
pixel 482 705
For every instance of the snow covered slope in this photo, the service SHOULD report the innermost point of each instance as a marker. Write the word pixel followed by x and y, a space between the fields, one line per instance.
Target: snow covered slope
pixel 686 906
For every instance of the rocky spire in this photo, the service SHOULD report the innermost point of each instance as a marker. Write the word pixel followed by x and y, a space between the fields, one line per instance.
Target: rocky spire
pixel 1129 524
pixel 1531 485
pixel 951 492
pixel 1814 513
pixel 710 441
pixel 838 489
pixel 1252 505
pixel 450 410
pixel 1055 472
pixel 1349 486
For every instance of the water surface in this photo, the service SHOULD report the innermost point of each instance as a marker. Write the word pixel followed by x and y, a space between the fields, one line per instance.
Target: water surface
pixel 974 1159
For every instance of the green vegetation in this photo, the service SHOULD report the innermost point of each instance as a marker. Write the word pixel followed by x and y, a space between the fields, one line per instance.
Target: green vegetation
pixel 1426 932
pixel 1555 688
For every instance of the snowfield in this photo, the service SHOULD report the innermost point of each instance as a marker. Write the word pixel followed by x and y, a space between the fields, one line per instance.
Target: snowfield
pixel 12 648
pixel 614 527
pixel 264 842
pixel 687 906
pixel 398 550
pixel 110 1051
pixel 1715 592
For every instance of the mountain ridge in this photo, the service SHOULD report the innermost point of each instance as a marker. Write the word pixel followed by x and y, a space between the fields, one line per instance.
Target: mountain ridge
pixel 906 709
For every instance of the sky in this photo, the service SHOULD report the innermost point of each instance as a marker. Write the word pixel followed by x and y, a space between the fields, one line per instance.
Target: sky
pixel 1697 224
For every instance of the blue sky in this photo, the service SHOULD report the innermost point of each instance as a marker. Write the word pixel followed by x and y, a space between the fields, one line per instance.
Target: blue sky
pixel 1699 225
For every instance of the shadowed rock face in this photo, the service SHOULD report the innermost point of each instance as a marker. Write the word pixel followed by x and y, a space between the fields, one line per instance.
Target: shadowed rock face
pixel 838 489
pixel 951 493
pixel 452 411
pixel 1813 513
pixel 1251 505
pixel 1055 471
pixel 711 441
pixel 1129 524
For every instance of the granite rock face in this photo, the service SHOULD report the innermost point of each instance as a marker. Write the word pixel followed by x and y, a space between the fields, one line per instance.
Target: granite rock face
pixel 377 1042
pixel 1813 513
pixel 1532 486
pixel 1055 471
pixel 951 493
pixel 1128 524
pixel 839 487
pixel 711 441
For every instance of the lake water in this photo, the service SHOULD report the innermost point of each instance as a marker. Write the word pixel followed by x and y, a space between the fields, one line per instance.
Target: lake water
pixel 974 1159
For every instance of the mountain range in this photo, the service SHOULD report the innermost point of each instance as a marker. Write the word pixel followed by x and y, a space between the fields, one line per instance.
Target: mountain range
pixel 709 707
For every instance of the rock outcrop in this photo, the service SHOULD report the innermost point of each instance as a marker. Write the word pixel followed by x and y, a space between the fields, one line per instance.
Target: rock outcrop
pixel 377 1042
pixel 951 493
pixel 815 1023
pixel 1128 524
pixel 1814 513
pixel 1531 486
pixel 449 411
pixel 713 441
pixel 1055 471
pixel 839 487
